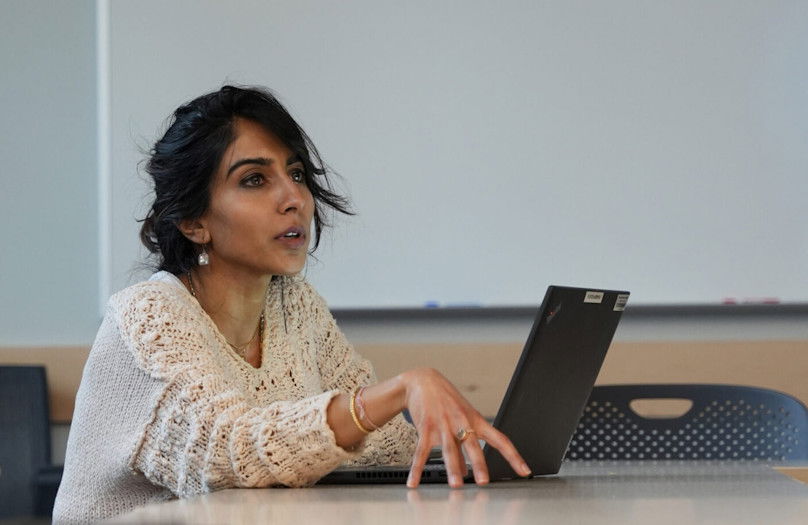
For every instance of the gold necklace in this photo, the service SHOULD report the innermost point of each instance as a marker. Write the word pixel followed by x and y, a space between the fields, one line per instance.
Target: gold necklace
pixel 239 349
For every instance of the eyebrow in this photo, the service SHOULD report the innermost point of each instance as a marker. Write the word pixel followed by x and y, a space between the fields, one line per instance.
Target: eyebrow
pixel 261 161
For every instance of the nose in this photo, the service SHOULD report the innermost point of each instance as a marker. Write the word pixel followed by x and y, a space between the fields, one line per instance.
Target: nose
pixel 293 198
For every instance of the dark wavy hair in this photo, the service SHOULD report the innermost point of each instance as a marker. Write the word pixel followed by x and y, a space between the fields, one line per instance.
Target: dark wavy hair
pixel 182 164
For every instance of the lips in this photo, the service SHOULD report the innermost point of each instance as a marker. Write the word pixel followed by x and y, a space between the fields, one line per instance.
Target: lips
pixel 295 232
pixel 293 238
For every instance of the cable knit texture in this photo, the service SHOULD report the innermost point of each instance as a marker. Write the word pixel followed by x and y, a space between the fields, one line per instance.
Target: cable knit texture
pixel 166 408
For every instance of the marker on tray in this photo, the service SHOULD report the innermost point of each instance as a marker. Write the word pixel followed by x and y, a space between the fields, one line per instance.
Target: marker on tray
pixel 751 300
pixel 761 300
pixel 437 304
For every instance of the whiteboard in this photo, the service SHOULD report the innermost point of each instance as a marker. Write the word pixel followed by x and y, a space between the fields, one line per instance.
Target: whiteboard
pixel 493 149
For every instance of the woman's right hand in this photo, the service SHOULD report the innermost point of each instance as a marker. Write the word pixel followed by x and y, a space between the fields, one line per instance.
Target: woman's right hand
pixel 440 414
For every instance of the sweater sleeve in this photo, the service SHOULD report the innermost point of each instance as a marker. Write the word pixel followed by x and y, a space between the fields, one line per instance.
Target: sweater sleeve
pixel 343 368
pixel 203 434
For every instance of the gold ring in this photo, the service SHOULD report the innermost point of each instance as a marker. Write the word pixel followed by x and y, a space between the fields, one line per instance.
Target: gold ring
pixel 463 434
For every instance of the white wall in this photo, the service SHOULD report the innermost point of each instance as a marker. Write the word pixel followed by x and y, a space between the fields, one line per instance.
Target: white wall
pixel 492 148
pixel 48 178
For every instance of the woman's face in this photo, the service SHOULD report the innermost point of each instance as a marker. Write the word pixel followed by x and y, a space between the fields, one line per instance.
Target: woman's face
pixel 260 212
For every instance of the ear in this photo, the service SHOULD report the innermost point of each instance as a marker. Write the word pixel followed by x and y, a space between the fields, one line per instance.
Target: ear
pixel 194 231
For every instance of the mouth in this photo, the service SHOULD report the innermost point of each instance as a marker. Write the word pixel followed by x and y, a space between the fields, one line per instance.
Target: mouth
pixel 293 237
pixel 294 232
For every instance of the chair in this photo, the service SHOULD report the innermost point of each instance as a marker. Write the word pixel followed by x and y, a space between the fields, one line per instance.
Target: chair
pixel 28 481
pixel 725 422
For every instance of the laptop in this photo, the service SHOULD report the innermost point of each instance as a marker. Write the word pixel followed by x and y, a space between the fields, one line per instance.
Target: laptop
pixel 548 390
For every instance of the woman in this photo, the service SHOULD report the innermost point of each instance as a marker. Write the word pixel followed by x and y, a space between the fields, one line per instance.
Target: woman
pixel 226 369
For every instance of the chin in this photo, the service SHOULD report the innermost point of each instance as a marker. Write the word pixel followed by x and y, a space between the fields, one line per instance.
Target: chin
pixel 287 273
pixel 289 270
pixel 286 264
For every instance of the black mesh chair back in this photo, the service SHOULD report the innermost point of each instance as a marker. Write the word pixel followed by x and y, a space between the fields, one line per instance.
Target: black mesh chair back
pixel 724 423
pixel 24 437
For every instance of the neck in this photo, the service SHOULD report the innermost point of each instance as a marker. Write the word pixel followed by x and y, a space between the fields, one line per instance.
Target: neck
pixel 233 302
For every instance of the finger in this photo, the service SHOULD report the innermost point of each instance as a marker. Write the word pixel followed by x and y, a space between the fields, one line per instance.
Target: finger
pixel 501 442
pixel 418 461
pixel 475 455
pixel 452 459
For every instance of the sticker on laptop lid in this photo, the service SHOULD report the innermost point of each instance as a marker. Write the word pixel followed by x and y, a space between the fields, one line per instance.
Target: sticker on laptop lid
pixel 593 297
pixel 620 303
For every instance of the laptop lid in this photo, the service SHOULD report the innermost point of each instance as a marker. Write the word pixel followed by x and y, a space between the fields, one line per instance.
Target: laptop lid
pixel 555 374
pixel 553 378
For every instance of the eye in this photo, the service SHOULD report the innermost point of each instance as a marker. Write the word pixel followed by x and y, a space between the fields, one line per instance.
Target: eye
pixel 252 180
pixel 298 175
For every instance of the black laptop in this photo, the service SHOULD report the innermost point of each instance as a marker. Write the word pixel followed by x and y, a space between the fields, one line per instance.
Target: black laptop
pixel 548 390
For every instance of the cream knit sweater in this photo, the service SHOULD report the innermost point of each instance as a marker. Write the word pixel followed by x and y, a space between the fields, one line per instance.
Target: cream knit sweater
pixel 166 409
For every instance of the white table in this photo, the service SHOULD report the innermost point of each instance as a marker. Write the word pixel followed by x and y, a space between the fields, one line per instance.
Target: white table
pixel 583 492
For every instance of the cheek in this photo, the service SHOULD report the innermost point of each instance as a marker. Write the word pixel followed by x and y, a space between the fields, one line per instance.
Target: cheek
pixel 232 224
pixel 309 204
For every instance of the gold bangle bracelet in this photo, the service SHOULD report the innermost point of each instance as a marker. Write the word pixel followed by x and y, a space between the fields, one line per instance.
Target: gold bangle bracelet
pixel 352 407
pixel 363 414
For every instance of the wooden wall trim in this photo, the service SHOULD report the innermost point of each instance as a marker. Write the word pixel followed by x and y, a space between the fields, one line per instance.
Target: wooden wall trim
pixel 482 371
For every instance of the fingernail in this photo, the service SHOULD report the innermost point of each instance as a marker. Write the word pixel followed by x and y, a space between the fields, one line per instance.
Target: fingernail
pixel 525 469
pixel 455 480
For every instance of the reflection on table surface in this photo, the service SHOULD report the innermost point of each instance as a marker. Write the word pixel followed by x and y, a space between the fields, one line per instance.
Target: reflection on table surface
pixel 583 492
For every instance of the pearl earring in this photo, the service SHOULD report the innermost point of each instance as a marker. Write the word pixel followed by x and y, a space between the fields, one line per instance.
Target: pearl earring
pixel 204 258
